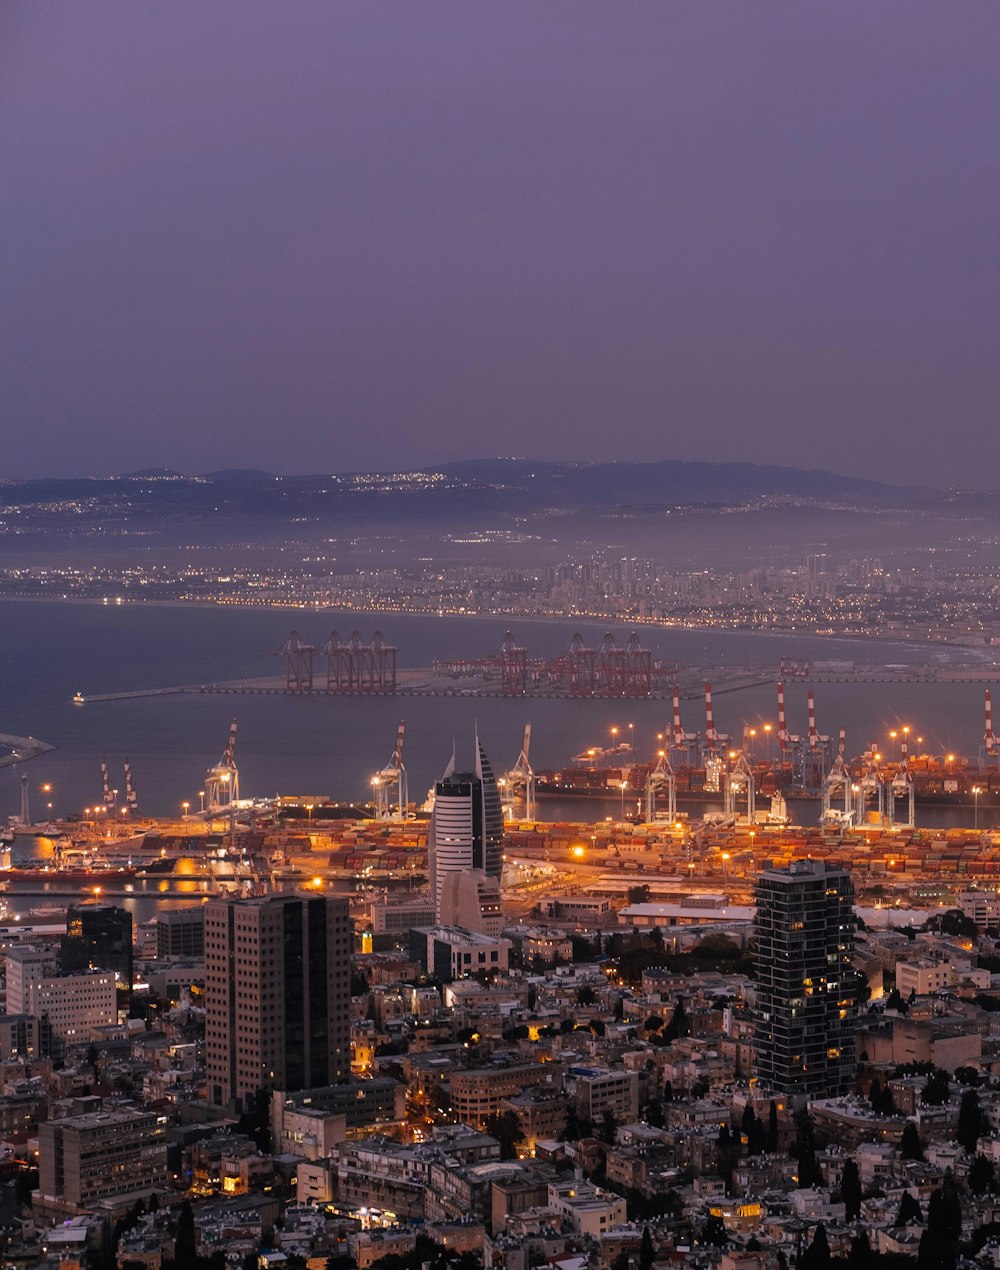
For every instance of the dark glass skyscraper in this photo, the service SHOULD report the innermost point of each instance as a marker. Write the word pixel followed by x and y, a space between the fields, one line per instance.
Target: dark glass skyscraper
pixel 98 937
pixel 806 1002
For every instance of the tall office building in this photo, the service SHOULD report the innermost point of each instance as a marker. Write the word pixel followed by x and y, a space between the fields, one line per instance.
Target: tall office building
pixel 277 995
pixel 466 825
pixel 806 1004
pixel 98 937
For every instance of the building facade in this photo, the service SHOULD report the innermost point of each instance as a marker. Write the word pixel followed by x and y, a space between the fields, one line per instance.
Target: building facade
pixel 180 932
pixel 98 937
pixel 82 1159
pixel 277 995
pixel 806 1003
pixel 466 829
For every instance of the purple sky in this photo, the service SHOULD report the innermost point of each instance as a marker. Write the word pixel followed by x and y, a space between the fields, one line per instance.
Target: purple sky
pixel 314 236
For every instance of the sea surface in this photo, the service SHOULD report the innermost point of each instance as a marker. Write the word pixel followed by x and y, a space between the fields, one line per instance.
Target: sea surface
pixel 330 746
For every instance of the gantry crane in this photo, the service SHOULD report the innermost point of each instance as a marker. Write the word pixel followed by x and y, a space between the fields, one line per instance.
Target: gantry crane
pixel 837 786
pixel 661 779
pixel 869 792
pixel 900 790
pixel 739 783
pixel 222 782
pixel 392 777
pixel 518 785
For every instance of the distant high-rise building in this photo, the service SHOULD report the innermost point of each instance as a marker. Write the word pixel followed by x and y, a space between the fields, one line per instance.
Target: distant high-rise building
pixel 466 825
pixel 180 932
pixel 806 1004
pixel 277 995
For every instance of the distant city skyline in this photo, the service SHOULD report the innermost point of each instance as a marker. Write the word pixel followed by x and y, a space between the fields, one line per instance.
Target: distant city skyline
pixel 351 238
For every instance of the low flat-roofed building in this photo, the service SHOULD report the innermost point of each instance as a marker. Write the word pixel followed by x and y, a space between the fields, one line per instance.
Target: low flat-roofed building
pixel 83 1159
pixel 587 1208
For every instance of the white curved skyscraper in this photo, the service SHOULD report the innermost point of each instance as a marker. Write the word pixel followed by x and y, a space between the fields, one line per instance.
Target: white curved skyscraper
pixel 466 825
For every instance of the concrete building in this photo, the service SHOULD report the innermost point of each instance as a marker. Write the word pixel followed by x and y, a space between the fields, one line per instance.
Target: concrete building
pixel 277 995
pixel 466 830
pixel 587 1208
pixel 923 975
pixel 83 1159
pixel 76 1007
pixel 476 1094
pixel 400 918
pixel 471 900
pixel 805 1006
pixel 449 952
pixel 601 1089
pixel 180 932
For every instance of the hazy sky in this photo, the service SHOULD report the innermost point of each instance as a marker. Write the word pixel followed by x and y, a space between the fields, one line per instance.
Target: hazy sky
pixel 307 236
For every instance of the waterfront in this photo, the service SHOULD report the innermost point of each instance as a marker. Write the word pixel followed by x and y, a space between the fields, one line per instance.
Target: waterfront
pixel 329 746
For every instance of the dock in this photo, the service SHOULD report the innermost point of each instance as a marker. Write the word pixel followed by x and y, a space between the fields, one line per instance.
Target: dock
pixel 22 748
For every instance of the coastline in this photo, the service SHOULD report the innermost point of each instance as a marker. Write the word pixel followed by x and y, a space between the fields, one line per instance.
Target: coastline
pixel 976 656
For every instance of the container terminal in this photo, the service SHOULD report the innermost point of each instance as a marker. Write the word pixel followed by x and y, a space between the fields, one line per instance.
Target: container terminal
pixel 229 844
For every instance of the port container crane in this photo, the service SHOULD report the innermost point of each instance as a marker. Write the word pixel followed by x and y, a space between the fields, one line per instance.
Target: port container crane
pixel 222 782
pixel 392 777
pixel 739 784
pixel 661 780
pixel 518 785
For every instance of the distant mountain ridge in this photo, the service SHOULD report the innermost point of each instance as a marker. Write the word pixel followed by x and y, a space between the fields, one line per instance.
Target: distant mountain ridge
pixel 456 491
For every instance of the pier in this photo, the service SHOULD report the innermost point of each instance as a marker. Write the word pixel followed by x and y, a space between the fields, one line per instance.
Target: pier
pixel 22 748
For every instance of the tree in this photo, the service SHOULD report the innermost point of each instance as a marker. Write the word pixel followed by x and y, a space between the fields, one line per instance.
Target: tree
pixel 678 1025
pixel 609 1126
pixel 771 1143
pixel 185 1250
pixel 638 894
pixel 714 1232
pixel 654 1114
pixel 817 1255
pixel 646 1254
pixel 969 1121
pixel 939 1242
pixel 910 1146
pixel 909 1210
pixel 982 1176
pixel 935 1093
pixel 860 1256
pixel 154 1203
pixel 586 995
pixel 850 1190
pixel 506 1128
pixel 804 1150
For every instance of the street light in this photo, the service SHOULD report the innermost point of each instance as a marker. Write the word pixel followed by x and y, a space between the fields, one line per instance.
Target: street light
pixel 976 791
pixel 767 739
pixel 184 809
pixel 892 737
pixel 725 862
pixel 623 785
pixel 309 811
pixel 201 795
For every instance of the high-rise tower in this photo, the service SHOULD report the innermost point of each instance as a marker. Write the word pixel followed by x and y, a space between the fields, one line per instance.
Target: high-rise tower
pixel 806 1003
pixel 466 826
pixel 277 995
